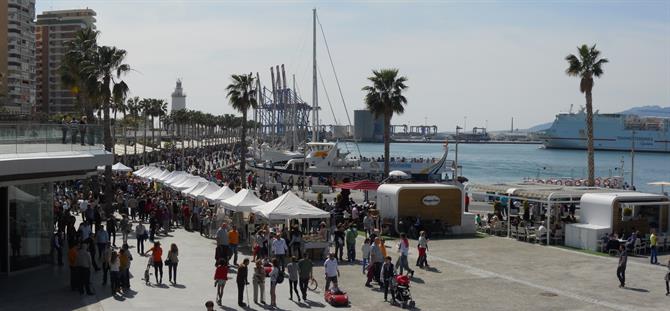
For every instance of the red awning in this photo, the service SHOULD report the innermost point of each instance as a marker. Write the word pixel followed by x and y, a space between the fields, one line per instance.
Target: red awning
pixel 359 185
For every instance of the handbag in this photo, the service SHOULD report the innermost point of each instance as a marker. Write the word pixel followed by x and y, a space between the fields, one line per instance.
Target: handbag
pixel 168 262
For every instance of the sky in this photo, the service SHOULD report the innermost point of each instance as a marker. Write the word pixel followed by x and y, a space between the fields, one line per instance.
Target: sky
pixel 472 63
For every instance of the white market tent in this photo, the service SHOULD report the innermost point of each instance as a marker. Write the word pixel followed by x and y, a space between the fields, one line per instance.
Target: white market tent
pixel 197 187
pixel 168 176
pixel 120 167
pixel 221 194
pixel 188 182
pixel 211 187
pixel 289 206
pixel 148 172
pixel 243 201
pixel 172 181
pixel 145 170
pixel 160 175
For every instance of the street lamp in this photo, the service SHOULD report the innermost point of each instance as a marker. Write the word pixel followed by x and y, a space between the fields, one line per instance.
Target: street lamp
pixel 456 157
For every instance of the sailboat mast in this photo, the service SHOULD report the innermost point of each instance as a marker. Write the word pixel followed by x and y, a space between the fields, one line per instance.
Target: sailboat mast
pixel 315 95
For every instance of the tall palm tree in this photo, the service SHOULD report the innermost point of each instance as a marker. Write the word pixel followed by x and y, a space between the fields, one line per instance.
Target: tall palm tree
pixel 384 98
pixel 106 68
pixel 145 107
pixel 119 104
pixel 242 96
pixel 586 66
pixel 78 52
pixel 160 111
pixel 134 109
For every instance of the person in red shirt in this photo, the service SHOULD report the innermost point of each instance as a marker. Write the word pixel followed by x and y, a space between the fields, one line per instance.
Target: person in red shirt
pixel 157 258
pixel 220 278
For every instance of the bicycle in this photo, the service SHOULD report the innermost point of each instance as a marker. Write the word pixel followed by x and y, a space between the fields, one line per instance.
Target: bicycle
pixel 312 285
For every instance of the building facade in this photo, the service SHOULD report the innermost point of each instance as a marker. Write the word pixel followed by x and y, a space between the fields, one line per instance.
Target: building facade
pixel 178 97
pixel 54 29
pixel 367 128
pixel 17 55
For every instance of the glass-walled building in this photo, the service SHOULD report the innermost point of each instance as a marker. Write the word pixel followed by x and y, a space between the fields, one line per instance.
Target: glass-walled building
pixel 29 167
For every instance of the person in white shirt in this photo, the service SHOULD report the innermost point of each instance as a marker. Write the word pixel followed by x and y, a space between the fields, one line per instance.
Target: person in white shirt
pixel 403 247
pixel 331 270
pixel 365 249
pixel 279 249
pixel 541 233
pixel 140 234
pixel 354 214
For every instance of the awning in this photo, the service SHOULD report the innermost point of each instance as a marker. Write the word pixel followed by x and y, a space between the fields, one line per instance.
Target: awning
pixel 359 185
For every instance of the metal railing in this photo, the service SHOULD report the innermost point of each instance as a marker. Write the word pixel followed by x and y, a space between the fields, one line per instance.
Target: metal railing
pixel 35 137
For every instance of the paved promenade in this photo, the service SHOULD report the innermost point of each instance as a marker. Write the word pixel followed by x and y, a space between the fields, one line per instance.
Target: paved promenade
pixel 466 274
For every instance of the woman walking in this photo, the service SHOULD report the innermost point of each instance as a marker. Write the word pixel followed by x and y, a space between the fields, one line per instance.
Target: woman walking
pixel 114 269
pixel 422 246
pixel 293 270
pixel 140 235
pixel 259 281
pixel 173 259
pixel 157 258
pixel 274 276
pixel 220 278
pixel 242 272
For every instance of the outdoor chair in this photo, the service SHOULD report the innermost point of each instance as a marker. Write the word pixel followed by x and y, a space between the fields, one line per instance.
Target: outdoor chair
pixel 522 235
pixel 514 233
pixel 613 252
pixel 638 247
pixel 530 235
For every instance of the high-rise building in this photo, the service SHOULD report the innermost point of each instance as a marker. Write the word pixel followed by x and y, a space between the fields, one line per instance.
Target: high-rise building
pixel 54 30
pixel 178 97
pixel 17 55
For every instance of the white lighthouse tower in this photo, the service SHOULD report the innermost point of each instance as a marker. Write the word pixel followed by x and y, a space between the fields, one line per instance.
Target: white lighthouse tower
pixel 178 97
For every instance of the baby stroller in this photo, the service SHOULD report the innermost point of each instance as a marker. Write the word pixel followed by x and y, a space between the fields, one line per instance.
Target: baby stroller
pixel 401 292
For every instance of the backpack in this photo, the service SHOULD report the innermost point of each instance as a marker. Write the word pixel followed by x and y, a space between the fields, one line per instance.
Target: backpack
pixel 280 277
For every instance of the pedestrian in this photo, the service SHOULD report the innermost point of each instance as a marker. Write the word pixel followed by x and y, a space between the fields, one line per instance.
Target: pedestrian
pixel 305 266
pixel 368 223
pixel 365 250
pixel 105 259
pixel 173 260
pixel 422 247
pixel 140 235
pixel 293 272
pixel 279 249
pixel 220 278
pixel 111 229
pixel 72 262
pixel 125 258
pixel 339 242
pixel 125 228
pixel 222 240
pixel 403 248
pixel 157 258
pixel 258 281
pixel 331 270
pixel 351 236
pixel 667 279
pixel 233 242
pixel 102 239
pixel 241 280
pixel 387 273
pixel 274 279
pixel 83 264
pixel 376 260
pixel 621 268
pixel 114 272
pixel 57 246
pixel 653 240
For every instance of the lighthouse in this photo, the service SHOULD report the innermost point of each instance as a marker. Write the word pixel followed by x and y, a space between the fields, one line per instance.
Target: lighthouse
pixel 178 97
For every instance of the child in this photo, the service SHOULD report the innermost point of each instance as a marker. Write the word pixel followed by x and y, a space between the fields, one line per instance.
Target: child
pixel 146 271
pixel 387 274
pixel 220 277
pixel 365 249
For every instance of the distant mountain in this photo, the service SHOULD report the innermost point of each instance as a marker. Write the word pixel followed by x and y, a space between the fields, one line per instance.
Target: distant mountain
pixel 643 111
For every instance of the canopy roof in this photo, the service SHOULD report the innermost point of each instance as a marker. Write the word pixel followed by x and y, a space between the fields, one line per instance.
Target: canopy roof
pixel 243 201
pixel 360 185
pixel 159 175
pixel 289 206
pixel 119 167
pixel 171 175
pixel 178 179
pixel 188 182
pixel 537 192
pixel 195 188
pixel 211 187
pixel 146 170
pixel 221 194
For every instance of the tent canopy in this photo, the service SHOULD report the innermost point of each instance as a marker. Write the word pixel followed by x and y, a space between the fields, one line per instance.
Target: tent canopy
pixel 243 201
pixel 188 182
pixel 209 188
pixel 195 188
pixel 289 206
pixel 221 194
pixel 360 185
pixel 119 167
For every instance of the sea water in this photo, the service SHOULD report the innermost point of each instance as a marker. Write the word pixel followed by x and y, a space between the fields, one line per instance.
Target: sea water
pixel 489 163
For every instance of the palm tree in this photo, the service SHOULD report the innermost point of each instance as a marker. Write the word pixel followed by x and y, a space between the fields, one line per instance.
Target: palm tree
pixel 160 111
pixel 78 52
pixel 106 67
pixel 383 99
pixel 586 66
pixel 119 104
pixel 242 96
pixel 145 106
pixel 134 109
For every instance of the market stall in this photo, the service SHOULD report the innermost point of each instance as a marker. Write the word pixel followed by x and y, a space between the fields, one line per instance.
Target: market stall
pixel 289 206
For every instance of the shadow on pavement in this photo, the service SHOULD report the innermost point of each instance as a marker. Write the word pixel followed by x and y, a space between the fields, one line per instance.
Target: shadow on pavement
pixel 639 290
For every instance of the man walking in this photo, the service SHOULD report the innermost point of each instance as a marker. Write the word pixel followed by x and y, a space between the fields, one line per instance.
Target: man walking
pixel 351 243
pixel 376 259
pixel 621 269
pixel 279 249
pixel 233 242
pixel 653 241
pixel 305 267
pixel 332 271
pixel 222 241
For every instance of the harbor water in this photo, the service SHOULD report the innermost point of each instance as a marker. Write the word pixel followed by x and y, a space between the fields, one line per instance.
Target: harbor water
pixel 489 163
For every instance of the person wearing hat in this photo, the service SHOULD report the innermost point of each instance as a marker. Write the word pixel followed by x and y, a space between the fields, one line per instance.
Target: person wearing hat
pixel 157 258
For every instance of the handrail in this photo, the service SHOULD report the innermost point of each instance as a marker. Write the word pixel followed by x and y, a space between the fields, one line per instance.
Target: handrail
pixel 35 137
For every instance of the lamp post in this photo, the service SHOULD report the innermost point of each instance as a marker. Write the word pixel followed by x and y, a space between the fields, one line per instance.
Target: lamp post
pixel 632 162
pixel 304 166
pixel 456 157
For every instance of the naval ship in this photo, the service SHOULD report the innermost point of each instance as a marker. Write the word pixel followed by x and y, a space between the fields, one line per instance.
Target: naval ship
pixel 620 132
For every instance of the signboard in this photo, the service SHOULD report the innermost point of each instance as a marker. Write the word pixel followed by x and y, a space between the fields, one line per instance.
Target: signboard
pixel 430 200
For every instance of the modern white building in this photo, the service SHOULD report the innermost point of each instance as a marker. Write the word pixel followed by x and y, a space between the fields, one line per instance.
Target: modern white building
pixel 17 55
pixel 178 97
